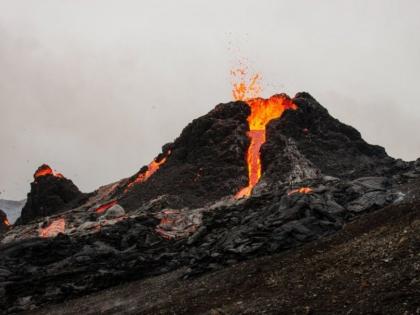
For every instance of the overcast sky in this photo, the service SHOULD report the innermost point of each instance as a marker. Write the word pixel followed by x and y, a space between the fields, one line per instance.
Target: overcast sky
pixel 96 87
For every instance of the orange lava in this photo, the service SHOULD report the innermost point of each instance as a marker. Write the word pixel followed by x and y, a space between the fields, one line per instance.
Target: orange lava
pixel 302 190
pixel 44 170
pixel 151 169
pixel 262 112
pixel 6 222
pixel 105 206
pixel 52 230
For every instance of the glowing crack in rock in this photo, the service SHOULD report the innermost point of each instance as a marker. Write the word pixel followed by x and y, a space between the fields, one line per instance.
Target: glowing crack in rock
pixel 302 190
pixel 105 206
pixel 151 169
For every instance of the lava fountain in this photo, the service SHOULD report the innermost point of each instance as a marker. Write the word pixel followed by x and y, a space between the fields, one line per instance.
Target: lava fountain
pixel 262 112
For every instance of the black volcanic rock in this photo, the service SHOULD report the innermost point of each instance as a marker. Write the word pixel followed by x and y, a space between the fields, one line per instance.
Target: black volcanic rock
pixel 329 146
pixel 50 193
pixel 206 162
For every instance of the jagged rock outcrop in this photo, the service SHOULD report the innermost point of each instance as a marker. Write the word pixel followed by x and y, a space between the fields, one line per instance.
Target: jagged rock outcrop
pixel 50 193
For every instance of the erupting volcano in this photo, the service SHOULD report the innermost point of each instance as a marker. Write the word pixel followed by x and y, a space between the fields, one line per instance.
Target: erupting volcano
pixel 262 112
pixel 178 215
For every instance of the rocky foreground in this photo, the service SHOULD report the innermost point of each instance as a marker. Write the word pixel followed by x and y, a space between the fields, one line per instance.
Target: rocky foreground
pixel 372 266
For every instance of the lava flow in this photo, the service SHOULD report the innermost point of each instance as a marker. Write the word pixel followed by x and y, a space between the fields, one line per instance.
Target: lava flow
pixel 53 229
pixel 262 112
pixel 106 206
pixel 302 190
pixel 151 169
pixel 44 170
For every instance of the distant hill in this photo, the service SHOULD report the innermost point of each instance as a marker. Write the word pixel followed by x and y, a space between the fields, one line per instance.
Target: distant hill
pixel 12 208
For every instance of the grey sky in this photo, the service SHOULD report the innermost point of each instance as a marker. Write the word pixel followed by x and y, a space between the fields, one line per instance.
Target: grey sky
pixel 96 87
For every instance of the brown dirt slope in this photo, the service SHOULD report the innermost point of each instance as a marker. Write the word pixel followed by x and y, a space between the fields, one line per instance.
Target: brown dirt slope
pixel 372 266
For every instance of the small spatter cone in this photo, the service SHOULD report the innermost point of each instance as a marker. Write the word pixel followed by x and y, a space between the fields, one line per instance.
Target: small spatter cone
pixel 50 193
pixel 46 170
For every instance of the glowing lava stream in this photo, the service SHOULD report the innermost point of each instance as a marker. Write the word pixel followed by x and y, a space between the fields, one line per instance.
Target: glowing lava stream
pixel 151 169
pixel 262 112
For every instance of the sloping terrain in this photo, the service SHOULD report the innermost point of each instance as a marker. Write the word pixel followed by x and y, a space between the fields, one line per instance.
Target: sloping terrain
pixel 372 266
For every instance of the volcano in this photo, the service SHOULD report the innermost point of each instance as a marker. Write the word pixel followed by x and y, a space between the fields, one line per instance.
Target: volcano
pixel 50 193
pixel 218 155
pixel 253 177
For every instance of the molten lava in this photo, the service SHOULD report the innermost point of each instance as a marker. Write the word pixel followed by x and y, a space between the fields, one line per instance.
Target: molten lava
pixel 262 112
pixel 53 229
pixel 6 222
pixel 105 206
pixel 302 190
pixel 151 169
pixel 45 170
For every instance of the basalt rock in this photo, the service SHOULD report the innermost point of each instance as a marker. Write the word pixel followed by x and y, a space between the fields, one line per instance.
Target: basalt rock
pixel 50 193
pixel 206 162
pixel 327 145
pixel 201 240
